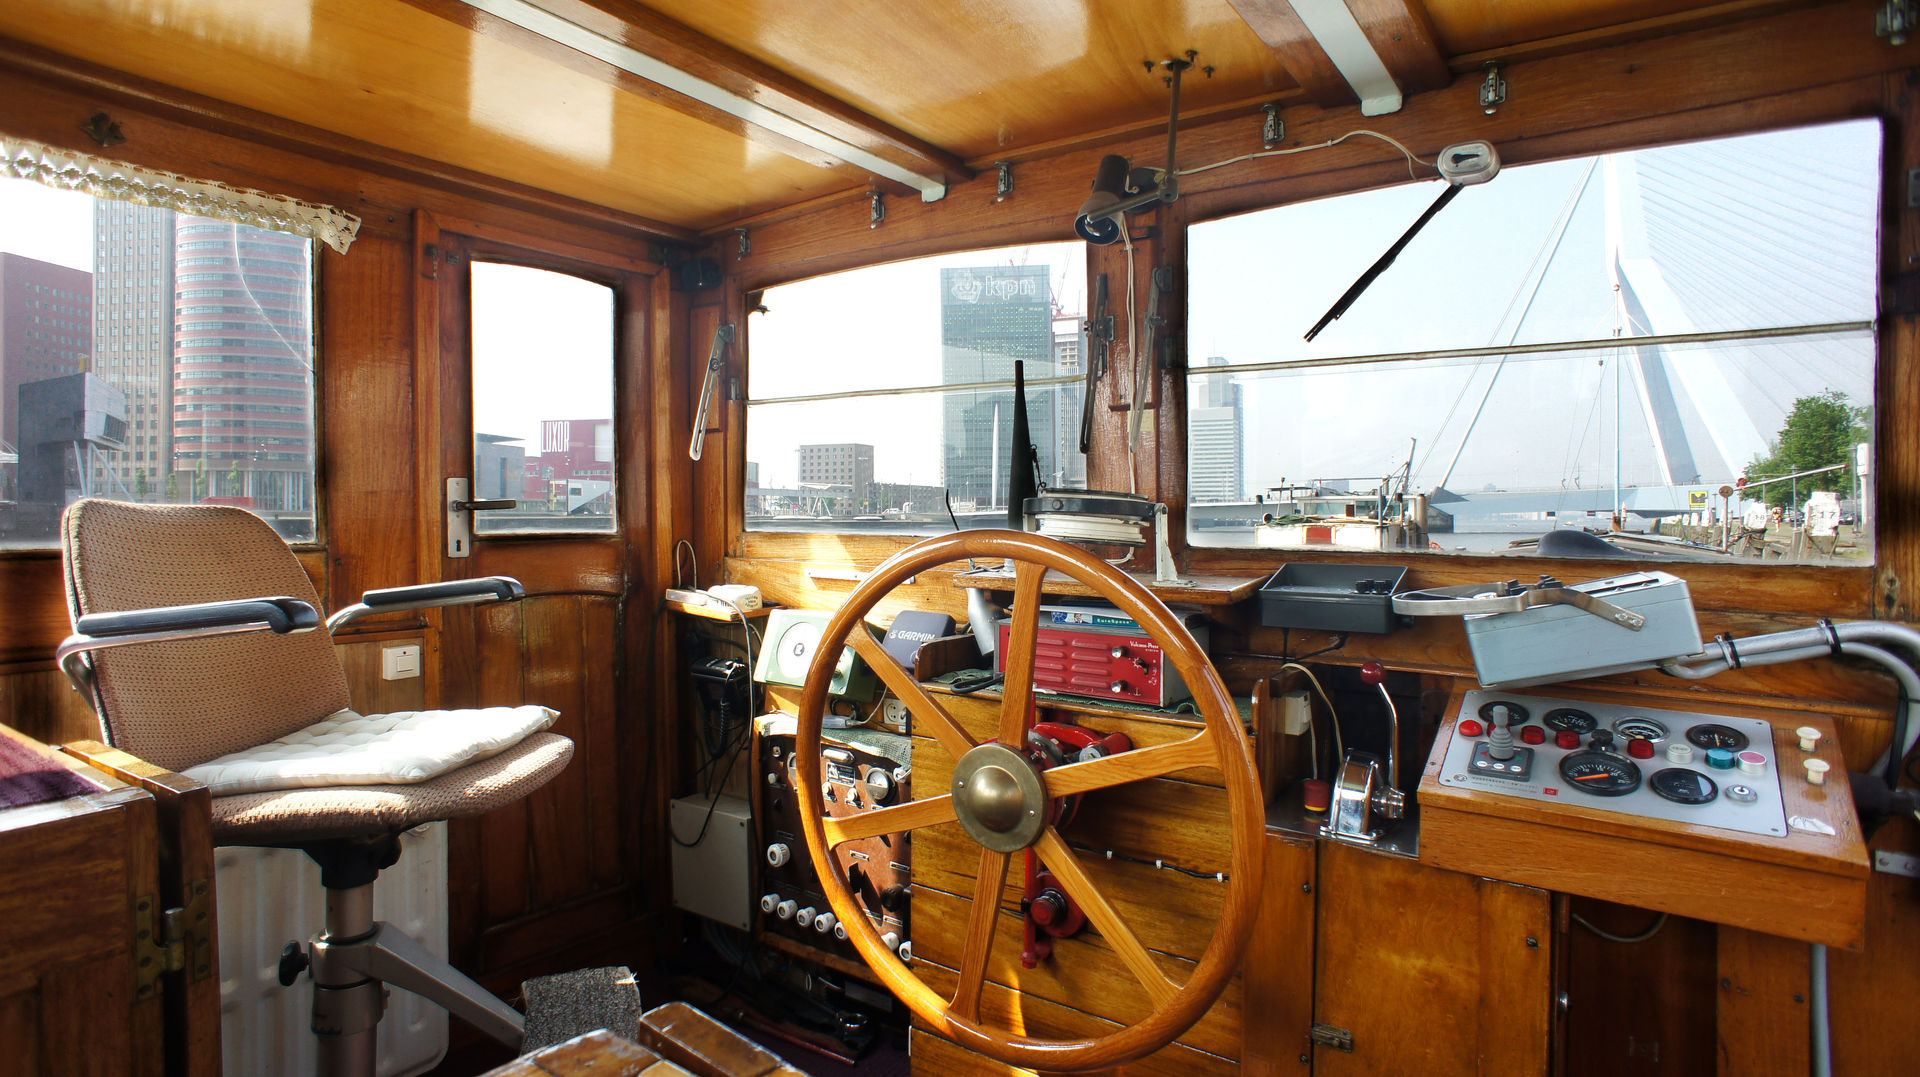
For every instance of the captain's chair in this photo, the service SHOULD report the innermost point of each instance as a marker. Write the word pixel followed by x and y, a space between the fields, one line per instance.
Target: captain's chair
pixel 189 669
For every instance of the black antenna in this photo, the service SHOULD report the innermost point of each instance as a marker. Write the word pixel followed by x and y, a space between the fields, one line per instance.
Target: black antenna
pixel 1024 463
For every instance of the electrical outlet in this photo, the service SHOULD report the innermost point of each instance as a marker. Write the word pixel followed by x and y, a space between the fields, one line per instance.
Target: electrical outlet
pixel 400 663
pixel 894 713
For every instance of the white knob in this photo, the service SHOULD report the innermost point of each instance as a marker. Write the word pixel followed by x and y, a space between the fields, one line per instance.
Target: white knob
pixel 769 902
pixel 805 917
pixel 1817 771
pixel 905 952
pixel 784 910
pixel 1809 738
pixel 890 940
pixel 824 922
pixel 1679 751
pixel 778 854
pixel 840 932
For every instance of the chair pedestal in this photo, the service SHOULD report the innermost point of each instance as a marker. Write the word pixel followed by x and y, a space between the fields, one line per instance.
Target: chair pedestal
pixel 356 956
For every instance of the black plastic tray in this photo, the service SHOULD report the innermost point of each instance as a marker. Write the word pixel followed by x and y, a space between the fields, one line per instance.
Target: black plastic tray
pixel 1332 598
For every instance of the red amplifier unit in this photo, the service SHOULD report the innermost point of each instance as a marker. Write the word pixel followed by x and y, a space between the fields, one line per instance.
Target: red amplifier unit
pixel 1105 662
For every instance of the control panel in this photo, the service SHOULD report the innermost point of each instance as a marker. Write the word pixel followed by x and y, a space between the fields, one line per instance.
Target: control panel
pixel 861 770
pixel 1104 663
pixel 1704 769
pixel 1741 816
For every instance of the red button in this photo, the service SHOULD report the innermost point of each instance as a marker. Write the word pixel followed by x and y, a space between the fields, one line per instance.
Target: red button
pixel 1317 794
pixel 1640 749
pixel 1567 738
pixel 1533 734
pixel 1470 728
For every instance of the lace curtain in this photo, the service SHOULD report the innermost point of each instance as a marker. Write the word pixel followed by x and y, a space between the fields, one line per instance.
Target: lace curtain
pixel 102 178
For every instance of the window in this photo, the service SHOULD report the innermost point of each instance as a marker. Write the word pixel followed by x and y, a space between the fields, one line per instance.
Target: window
pixel 1671 347
pixel 542 400
pixel 257 452
pixel 875 394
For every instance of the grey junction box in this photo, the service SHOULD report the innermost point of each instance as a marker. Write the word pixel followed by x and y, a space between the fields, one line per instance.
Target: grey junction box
pixel 1565 643
pixel 713 871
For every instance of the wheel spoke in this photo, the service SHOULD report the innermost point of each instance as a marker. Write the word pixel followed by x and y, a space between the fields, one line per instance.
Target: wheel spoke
pixel 912 815
pixel 1066 867
pixel 978 945
pixel 1131 766
pixel 1016 695
pixel 933 718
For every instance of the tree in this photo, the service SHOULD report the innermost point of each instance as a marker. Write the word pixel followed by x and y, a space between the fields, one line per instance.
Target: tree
pixel 1820 431
pixel 140 487
pixel 173 488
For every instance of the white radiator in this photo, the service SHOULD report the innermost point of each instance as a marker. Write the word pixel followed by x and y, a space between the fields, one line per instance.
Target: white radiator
pixel 270 897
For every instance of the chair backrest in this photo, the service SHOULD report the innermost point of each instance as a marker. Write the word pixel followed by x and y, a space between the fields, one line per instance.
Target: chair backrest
pixel 179 704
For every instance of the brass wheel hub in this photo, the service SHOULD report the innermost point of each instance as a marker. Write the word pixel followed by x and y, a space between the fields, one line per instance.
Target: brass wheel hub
pixel 999 798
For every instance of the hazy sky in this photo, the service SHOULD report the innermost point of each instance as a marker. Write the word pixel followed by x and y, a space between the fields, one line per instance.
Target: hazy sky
pixel 50 225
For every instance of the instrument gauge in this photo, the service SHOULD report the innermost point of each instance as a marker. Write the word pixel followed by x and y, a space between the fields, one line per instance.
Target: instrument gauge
pixel 1712 735
pixel 1683 786
pixel 1640 727
pixel 1600 774
pixel 1570 719
pixel 1516 714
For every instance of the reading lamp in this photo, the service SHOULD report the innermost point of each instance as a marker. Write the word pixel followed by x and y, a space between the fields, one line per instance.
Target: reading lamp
pixel 1117 190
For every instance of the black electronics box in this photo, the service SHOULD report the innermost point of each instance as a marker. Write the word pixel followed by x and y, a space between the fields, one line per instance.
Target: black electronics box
pixel 1332 598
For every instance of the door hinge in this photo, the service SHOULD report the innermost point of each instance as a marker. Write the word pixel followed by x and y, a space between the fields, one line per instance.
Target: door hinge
pixel 174 939
pixel 1328 1036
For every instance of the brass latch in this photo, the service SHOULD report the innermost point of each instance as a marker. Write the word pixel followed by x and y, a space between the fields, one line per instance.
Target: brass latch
pixel 1329 1036
pixel 174 939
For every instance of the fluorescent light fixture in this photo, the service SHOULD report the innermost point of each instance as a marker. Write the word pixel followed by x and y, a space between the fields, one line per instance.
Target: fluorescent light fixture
pixel 1339 33
pixel 538 20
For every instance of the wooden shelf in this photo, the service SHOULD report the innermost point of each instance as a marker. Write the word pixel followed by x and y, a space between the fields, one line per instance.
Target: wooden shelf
pixel 1198 591
pixel 1804 886
pixel 715 613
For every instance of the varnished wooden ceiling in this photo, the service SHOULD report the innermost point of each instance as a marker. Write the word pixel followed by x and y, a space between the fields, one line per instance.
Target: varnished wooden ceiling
pixel 940 86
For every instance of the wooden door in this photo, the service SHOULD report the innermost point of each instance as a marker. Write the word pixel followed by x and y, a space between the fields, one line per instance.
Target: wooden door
pixel 554 881
pixel 1428 971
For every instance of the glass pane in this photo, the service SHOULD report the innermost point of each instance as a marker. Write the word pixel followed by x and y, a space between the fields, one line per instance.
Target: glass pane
pixel 1709 238
pixel 888 462
pixel 150 356
pixel 542 400
pixel 889 482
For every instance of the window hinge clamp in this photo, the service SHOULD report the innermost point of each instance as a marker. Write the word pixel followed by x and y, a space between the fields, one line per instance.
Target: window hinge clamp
pixel 1329 1036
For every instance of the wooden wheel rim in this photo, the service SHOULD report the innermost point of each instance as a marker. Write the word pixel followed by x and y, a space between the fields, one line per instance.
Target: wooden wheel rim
pixel 1226 750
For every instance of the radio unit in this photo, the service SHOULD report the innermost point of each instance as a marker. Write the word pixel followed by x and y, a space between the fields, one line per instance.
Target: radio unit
pixel 1104 655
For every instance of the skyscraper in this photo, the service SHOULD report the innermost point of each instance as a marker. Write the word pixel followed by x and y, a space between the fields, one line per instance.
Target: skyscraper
pixel 1216 465
pixel 991 316
pixel 848 466
pixel 45 325
pixel 1069 360
pixel 243 364
pixel 133 316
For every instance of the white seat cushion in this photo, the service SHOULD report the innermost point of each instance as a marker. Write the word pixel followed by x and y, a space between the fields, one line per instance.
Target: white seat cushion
pixel 346 748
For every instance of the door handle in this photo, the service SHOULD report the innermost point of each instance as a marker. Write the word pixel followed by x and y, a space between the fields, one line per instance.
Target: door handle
pixel 461 505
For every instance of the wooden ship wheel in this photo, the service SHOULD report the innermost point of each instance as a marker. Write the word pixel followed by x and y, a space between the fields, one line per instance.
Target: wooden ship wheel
pixel 1003 801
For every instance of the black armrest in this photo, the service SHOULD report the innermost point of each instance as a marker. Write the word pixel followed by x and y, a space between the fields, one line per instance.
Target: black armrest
pixel 279 614
pixel 426 595
pixel 489 588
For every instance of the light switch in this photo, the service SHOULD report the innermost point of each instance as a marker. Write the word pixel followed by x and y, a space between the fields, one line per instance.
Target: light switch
pixel 400 663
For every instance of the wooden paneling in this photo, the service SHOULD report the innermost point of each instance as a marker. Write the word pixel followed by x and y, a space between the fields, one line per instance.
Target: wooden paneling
pixel 371 692
pixel 1638 1008
pixel 45 707
pixel 1763 1012
pixel 1470 994
pixel 1280 962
